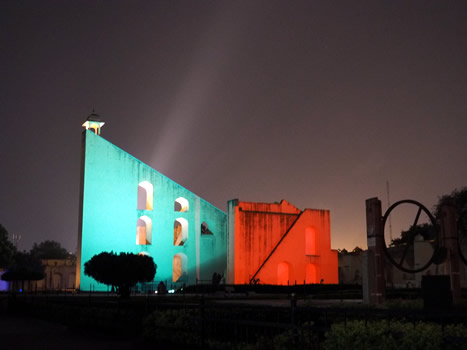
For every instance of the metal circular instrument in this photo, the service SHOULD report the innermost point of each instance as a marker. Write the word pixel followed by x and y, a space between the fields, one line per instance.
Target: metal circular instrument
pixel 402 254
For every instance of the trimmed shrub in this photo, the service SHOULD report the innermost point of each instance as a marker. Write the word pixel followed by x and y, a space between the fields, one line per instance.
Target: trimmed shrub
pixel 173 327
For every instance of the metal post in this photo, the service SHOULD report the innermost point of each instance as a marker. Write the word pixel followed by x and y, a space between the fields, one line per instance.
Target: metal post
pixel 449 237
pixel 293 307
pixel 203 331
pixel 374 269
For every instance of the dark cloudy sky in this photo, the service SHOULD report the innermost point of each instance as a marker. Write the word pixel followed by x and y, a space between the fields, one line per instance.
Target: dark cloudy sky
pixel 316 102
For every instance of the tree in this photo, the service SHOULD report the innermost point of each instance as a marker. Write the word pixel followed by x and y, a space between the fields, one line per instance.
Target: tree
pixel 25 267
pixel 425 230
pixel 122 271
pixel 7 249
pixel 49 250
pixel 357 250
pixel 458 197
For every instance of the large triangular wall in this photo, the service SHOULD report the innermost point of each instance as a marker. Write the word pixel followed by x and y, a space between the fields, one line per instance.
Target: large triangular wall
pixel 109 217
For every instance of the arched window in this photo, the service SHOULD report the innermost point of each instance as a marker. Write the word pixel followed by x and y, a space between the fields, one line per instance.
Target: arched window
pixel 145 196
pixel 311 242
pixel 181 204
pixel 180 231
pixel 179 268
pixel 143 231
pixel 284 273
pixel 311 274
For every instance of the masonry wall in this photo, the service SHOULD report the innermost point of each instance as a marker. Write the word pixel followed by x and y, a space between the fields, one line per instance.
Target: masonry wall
pixel 279 244
pixel 350 268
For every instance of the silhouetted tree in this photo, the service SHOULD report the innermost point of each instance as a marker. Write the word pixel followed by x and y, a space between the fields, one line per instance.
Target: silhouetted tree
pixel 425 230
pixel 357 250
pixel 25 267
pixel 458 196
pixel 7 249
pixel 49 250
pixel 122 271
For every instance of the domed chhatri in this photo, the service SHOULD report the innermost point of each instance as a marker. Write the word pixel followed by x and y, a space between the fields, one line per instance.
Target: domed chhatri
pixel 94 122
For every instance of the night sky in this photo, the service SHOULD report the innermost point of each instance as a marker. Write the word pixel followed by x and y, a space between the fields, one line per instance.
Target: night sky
pixel 316 102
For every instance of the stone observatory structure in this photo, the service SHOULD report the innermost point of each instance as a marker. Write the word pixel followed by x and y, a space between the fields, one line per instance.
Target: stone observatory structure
pixel 126 206
pixel 279 244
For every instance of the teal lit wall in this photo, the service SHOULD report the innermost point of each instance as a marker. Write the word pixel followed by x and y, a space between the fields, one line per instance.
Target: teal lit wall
pixel 109 216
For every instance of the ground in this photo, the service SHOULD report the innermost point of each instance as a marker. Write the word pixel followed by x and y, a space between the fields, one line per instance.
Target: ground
pixel 18 333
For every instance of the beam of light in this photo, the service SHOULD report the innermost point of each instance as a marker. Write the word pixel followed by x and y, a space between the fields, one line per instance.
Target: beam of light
pixel 199 86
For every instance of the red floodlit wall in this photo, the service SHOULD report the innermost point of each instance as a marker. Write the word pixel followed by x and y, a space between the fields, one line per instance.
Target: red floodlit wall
pixel 279 244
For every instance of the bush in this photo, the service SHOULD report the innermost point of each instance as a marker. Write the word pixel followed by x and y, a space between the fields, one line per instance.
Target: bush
pixel 183 327
pixel 404 304
pixel 123 270
pixel 303 338
pixel 452 333
pixel 389 335
pixel 174 327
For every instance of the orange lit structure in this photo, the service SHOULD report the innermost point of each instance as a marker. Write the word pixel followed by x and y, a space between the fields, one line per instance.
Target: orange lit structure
pixel 279 244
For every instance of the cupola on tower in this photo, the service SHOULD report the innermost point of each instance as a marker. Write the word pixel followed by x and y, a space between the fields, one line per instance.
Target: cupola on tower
pixel 94 122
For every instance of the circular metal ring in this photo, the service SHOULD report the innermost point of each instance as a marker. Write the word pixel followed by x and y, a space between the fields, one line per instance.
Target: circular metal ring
pixel 435 243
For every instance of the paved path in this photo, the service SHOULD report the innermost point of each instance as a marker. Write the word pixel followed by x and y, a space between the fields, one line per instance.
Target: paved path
pixel 18 333
pixel 286 302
